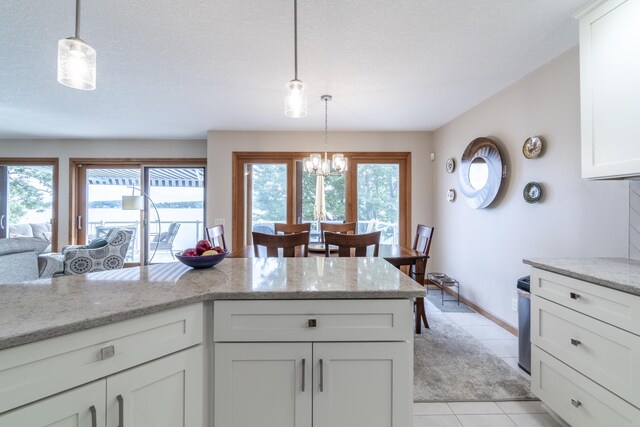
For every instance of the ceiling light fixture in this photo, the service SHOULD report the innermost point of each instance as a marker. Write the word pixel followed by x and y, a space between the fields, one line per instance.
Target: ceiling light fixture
pixel 76 60
pixel 315 164
pixel 295 101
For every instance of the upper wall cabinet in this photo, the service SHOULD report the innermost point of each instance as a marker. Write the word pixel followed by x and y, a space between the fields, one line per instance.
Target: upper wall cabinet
pixel 610 89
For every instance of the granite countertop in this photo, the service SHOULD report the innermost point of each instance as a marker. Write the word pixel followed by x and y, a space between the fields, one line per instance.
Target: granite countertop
pixel 622 274
pixel 47 308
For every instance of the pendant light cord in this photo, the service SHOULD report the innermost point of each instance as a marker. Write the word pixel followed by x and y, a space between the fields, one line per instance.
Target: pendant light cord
pixel 295 37
pixel 77 19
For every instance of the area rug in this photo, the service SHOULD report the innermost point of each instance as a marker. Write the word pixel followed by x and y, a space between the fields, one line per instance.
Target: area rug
pixel 451 365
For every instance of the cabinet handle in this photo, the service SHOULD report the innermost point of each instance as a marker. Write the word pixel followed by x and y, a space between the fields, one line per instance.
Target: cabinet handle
pixel 304 372
pixel 575 342
pixel 574 295
pixel 94 416
pixel 312 323
pixel 120 410
pixel 576 403
pixel 2 222
pixel 107 352
pixel 321 376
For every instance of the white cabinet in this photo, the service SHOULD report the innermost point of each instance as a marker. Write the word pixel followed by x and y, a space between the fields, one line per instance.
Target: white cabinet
pixel 610 89
pixel 586 350
pixel 315 381
pixel 164 393
pixel 80 407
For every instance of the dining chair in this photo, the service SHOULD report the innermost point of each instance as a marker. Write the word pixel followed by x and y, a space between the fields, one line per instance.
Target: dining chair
pixel 421 243
pixel 343 228
pixel 291 228
pixel 358 242
pixel 215 236
pixel 289 243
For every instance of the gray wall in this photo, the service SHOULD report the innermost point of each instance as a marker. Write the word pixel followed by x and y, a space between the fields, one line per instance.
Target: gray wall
pixel 484 248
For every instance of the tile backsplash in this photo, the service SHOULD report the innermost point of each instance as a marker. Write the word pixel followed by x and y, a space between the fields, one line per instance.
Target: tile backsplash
pixel 634 219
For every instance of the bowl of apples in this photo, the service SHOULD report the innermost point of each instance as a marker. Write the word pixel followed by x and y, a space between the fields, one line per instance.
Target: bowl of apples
pixel 202 256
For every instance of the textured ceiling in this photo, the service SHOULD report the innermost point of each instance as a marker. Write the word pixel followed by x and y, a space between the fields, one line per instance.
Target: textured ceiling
pixel 175 69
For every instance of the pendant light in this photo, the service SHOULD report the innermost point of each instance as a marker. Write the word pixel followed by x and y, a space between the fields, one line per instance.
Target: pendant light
pixel 76 60
pixel 295 101
pixel 315 164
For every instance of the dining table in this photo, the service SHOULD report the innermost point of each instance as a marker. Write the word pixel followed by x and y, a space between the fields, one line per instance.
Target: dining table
pixel 396 255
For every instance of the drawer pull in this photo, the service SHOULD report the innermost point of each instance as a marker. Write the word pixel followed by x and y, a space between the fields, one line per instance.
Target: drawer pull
pixel 576 403
pixel 574 295
pixel 107 352
pixel 575 342
pixel 304 372
pixel 321 376
pixel 94 416
pixel 312 323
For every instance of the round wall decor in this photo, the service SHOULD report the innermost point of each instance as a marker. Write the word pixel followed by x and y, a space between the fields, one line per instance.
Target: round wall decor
pixel 532 147
pixel 532 192
pixel 480 172
pixel 451 195
pixel 451 165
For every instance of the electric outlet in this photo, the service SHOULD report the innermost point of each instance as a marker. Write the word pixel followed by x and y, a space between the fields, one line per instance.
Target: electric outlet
pixel 514 303
pixel 218 221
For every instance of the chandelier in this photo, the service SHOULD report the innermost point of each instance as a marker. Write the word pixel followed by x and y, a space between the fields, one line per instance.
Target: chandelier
pixel 315 164
pixel 295 102
pixel 76 60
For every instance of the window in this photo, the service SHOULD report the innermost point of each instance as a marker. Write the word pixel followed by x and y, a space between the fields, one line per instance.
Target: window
pixel 173 206
pixel 28 199
pixel 272 187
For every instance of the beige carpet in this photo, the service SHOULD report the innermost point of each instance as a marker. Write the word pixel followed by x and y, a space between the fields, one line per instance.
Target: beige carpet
pixel 451 365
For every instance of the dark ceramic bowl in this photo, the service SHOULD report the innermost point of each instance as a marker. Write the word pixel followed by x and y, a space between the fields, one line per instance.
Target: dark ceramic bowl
pixel 201 261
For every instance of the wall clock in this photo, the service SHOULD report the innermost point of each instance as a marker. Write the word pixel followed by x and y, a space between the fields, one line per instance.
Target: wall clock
pixel 451 165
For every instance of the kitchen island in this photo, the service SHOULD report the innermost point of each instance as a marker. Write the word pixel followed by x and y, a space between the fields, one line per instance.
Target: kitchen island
pixel 322 341
pixel 585 317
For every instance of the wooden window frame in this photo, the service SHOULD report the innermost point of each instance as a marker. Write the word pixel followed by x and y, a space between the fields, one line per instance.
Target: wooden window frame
pixel 43 161
pixel 240 211
pixel 78 198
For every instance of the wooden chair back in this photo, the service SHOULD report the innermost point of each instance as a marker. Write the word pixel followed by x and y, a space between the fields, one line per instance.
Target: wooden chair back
pixel 422 241
pixel 344 228
pixel 358 242
pixel 287 242
pixel 291 228
pixel 215 235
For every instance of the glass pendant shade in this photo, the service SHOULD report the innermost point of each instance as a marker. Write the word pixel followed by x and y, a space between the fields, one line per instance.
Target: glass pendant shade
pixel 77 64
pixel 339 162
pixel 295 101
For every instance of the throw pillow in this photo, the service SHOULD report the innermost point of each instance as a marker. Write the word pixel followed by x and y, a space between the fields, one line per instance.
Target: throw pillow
pixel 47 235
pixel 97 243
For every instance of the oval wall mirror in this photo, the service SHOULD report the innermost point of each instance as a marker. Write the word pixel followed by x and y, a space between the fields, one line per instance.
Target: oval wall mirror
pixel 480 172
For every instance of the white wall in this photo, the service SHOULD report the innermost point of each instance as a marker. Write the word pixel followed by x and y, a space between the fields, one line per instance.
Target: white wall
pixel 221 145
pixel 65 149
pixel 484 248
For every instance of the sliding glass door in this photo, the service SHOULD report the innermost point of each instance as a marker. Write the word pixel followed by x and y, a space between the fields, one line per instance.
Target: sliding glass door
pixel 27 200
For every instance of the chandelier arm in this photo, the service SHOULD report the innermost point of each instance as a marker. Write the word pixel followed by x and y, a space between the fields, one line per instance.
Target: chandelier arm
pixel 77 19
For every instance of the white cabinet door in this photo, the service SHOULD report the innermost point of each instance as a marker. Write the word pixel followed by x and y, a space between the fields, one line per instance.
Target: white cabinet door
pixel 263 384
pixel 362 384
pixel 164 393
pixel 80 407
pixel 610 89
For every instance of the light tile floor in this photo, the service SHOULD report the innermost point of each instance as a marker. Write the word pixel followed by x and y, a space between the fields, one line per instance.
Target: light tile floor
pixel 478 414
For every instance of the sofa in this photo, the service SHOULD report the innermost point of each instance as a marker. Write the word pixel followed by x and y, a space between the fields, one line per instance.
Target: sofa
pixel 99 255
pixel 22 259
pixel 39 230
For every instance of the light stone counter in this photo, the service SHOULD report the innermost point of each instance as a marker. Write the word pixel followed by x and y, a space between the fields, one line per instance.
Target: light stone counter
pixel 48 308
pixel 617 273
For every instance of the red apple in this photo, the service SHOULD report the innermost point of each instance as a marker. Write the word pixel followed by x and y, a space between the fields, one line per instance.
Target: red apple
pixel 190 252
pixel 218 249
pixel 203 246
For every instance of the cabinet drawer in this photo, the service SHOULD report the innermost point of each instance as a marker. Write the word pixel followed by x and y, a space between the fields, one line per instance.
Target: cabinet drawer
pixel 604 353
pixel 334 320
pixel 574 397
pixel 43 368
pixel 609 305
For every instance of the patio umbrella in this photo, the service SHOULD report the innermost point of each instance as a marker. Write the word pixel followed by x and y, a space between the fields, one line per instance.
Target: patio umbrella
pixel 319 208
